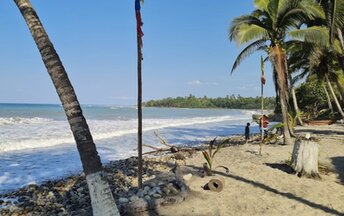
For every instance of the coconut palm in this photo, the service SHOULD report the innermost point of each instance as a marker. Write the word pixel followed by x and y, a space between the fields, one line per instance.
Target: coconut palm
pixel 334 10
pixel 101 197
pixel 271 22
pixel 321 65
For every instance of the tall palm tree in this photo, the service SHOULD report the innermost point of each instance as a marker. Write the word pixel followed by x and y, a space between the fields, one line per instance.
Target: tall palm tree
pixel 101 197
pixel 270 22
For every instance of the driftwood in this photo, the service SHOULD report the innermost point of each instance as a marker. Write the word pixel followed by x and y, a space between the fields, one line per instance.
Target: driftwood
pixel 179 153
pixel 305 157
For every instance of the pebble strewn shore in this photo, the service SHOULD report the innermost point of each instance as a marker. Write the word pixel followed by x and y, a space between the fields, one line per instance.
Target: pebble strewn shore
pixel 70 196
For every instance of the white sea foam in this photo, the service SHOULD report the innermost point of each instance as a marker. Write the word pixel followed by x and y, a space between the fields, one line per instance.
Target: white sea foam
pixel 32 133
pixel 19 120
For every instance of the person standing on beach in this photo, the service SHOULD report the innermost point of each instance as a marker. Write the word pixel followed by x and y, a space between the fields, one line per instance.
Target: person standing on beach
pixel 247 132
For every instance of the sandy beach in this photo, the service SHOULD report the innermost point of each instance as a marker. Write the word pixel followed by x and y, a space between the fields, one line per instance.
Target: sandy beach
pixel 255 185
pixel 265 185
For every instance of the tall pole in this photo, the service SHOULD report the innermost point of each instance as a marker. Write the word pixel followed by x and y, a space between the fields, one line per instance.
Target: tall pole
pixel 262 104
pixel 139 89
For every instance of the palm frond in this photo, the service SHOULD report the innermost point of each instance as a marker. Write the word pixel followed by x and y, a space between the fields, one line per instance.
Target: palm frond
pixel 247 51
pixel 220 146
pixel 207 158
pixel 313 34
pixel 312 9
pixel 261 4
pixel 235 26
pixel 272 11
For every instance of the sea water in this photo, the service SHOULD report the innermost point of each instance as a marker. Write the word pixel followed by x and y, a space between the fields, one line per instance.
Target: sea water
pixel 36 143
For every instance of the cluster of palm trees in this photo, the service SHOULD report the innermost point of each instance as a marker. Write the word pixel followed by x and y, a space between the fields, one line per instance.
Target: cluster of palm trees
pixel 303 41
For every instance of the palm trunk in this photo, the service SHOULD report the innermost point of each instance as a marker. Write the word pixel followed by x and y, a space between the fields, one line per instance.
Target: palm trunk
pixel 296 106
pixel 262 107
pixel 278 59
pixel 101 197
pixel 334 96
pixel 341 91
pixel 340 57
pixel 328 98
pixel 297 110
pixel 340 38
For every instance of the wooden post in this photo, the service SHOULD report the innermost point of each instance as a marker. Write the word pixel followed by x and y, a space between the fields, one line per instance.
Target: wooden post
pixel 262 105
pixel 139 90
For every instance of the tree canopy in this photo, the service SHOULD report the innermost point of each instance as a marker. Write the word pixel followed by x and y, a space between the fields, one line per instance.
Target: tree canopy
pixel 228 102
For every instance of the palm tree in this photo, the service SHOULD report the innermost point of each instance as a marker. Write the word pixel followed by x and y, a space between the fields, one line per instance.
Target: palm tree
pixel 334 10
pixel 101 197
pixel 270 22
pixel 322 66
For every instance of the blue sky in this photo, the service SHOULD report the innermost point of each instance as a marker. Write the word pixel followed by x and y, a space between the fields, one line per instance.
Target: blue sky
pixel 186 51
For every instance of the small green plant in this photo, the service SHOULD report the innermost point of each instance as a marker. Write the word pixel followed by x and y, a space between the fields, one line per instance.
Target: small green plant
pixel 209 156
pixel 293 118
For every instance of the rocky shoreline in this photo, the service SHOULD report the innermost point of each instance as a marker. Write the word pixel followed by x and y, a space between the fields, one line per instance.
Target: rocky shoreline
pixel 69 196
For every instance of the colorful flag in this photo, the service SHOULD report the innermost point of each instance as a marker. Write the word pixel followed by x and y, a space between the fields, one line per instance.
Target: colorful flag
pixel 139 22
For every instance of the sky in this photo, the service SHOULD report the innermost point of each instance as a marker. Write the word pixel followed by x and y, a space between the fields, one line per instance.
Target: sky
pixel 186 51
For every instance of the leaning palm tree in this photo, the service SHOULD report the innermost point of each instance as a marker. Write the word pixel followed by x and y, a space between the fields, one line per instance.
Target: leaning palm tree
pixel 270 22
pixel 101 197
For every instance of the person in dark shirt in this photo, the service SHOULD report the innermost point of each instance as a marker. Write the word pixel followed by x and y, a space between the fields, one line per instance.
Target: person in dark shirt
pixel 247 132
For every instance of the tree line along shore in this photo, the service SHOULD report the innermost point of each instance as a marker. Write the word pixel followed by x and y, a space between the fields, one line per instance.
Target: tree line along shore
pixel 229 102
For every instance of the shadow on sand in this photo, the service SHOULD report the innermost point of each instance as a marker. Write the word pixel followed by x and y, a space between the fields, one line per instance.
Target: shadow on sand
pixel 283 194
pixel 283 167
pixel 338 163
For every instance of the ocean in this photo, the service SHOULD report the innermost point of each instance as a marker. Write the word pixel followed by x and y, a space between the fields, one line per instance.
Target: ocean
pixel 36 143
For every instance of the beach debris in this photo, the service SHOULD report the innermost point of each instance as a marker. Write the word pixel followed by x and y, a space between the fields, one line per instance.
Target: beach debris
pixel 216 184
pixel 304 158
pixel 209 156
pixel 180 153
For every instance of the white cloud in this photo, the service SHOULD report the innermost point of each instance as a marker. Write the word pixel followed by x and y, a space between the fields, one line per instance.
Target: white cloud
pixel 195 82
pixel 198 82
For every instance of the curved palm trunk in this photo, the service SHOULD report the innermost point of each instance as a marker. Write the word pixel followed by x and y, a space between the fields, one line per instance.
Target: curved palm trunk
pixel 334 96
pixel 328 98
pixel 278 58
pixel 341 91
pixel 340 57
pixel 296 106
pixel 340 38
pixel 101 197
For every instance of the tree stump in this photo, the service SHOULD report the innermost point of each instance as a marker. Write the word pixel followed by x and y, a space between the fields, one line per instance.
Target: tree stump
pixel 304 158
